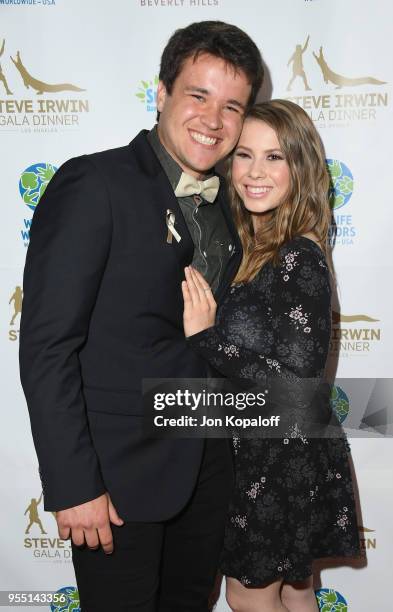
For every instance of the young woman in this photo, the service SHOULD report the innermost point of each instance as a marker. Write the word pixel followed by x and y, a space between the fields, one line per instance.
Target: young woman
pixel 293 499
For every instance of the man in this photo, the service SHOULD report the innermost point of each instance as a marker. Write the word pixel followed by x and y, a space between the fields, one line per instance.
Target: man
pixel 103 310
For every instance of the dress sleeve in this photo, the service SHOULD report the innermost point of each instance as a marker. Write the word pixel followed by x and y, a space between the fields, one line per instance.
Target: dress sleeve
pixel 300 325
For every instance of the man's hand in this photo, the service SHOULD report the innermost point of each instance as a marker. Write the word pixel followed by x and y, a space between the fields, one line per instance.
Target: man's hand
pixel 90 523
pixel 199 303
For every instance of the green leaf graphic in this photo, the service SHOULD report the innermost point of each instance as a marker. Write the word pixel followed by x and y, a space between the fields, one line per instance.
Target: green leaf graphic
pixel 337 201
pixel 345 185
pixel 29 180
pixel 46 172
pixel 335 169
pixel 30 197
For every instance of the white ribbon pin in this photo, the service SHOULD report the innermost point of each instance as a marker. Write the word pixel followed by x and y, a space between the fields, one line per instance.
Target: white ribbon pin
pixel 170 223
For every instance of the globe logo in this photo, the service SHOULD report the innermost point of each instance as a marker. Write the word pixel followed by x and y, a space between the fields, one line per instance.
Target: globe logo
pixel 341 183
pixel 340 403
pixel 33 182
pixel 71 603
pixel 331 601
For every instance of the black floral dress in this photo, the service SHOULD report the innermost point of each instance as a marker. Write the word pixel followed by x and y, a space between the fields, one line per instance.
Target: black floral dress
pixel 293 500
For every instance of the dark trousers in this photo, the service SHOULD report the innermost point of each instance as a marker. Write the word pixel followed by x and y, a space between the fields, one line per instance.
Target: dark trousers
pixel 169 566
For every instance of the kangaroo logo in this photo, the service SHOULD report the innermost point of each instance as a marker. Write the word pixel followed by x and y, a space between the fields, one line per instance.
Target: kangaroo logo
pixel 342 81
pixel 2 75
pixel 40 86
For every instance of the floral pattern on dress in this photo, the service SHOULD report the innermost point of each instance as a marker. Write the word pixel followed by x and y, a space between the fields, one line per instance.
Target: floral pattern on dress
pixel 305 508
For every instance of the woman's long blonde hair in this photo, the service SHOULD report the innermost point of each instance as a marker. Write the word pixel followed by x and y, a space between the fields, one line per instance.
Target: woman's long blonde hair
pixel 305 208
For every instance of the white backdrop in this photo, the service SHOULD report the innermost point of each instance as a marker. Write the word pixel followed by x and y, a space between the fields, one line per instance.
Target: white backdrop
pixel 111 51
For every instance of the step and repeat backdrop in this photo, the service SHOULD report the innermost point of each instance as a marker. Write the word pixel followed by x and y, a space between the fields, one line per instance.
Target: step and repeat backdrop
pixel 77 77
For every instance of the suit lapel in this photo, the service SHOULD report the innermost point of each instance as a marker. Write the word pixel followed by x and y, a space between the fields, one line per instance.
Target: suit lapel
pixel 164 198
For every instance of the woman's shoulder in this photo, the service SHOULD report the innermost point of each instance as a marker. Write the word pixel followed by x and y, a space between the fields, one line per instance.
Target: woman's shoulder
pixel 302 257
pixel 302 248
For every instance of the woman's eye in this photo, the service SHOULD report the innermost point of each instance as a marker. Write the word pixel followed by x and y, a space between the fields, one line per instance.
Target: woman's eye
pixel 275 156
pixel 200 98
pixel 241 154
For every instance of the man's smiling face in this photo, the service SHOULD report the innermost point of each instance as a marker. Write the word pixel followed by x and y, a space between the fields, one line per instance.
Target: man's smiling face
pixel 201 120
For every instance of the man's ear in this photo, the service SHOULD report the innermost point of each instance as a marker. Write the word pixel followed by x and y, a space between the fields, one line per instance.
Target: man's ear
pixel 161 96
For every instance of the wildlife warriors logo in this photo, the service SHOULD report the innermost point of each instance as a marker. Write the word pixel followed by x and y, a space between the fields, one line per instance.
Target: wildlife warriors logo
pixel 32 185
pixel 40 113
pixel 340 403
pixel 33 182
pixel 313 71
pixel 71 603
pixel 341 181
pixel 331 601
pixel 343 230
pixel 147 94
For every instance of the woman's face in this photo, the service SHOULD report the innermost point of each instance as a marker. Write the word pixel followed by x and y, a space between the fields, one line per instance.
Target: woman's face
pixel 260 173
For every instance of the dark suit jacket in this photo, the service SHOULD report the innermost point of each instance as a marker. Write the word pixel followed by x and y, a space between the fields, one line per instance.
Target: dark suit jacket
pixel 102 310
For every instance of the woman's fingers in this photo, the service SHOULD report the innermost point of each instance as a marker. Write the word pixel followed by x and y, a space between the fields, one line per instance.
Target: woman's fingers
pixel 192 288
pixel 186 297
pixel 204 289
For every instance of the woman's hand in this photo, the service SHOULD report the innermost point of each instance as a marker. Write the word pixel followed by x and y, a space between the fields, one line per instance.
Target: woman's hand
pixel 199 304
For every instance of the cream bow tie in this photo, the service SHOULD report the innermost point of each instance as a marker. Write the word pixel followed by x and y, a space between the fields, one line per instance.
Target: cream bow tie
pixel 188 185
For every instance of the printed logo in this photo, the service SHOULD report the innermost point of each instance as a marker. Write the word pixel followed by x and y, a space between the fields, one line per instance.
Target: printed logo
pixel 351 335
pixel 44 549
pixel 341 183
pixel 147 94
pixel 40 114
pixel 367 542
pixel 340 403
pixel 343 230
pixel 71 603
pixel 32 509
pixel 16 300
pixel 32 185
pixel 313 72
pixel 33 182
pixel 331 601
